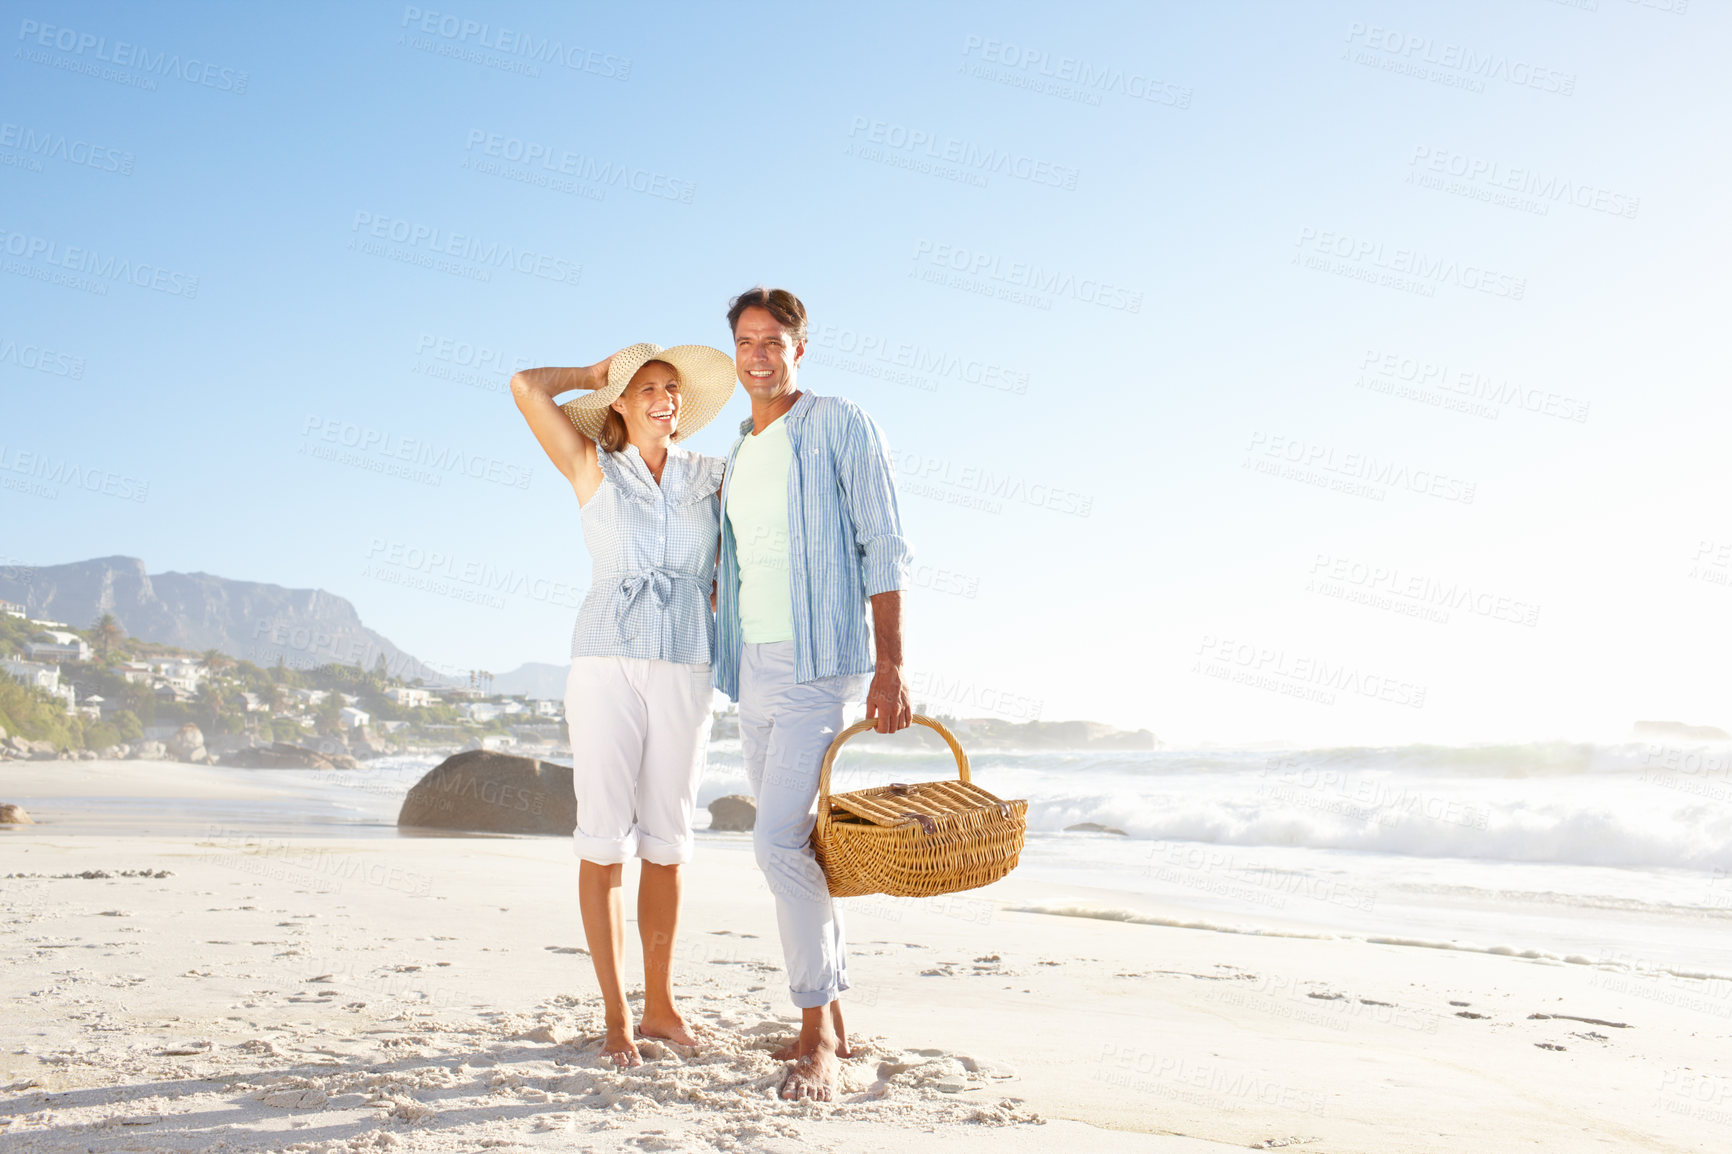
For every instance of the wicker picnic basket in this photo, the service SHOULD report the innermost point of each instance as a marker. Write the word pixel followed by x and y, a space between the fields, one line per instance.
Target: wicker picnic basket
pixel 914 841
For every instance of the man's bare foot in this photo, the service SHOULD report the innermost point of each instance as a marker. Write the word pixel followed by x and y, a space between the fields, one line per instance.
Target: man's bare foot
pixel 797 1049
pixel 814 1077
pixel 619 1050
pixel 668 1027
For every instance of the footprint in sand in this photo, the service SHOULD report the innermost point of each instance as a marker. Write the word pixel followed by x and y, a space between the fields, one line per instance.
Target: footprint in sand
pixel 294 1094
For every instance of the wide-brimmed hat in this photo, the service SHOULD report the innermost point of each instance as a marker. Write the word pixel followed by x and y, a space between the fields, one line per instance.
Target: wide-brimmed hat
pixel 707 380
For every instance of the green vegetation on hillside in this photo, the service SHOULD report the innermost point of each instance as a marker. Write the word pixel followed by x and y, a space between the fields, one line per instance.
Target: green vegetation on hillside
pixel 219 707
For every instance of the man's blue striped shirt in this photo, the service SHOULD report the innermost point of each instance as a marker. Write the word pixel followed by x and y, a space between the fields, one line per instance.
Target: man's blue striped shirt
pixel 845 542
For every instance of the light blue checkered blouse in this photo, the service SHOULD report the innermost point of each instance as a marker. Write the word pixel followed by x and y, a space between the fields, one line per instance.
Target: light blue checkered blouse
pixel 653 552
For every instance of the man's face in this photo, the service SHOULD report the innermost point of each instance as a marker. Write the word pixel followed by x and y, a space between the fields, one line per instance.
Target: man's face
pixel 766 356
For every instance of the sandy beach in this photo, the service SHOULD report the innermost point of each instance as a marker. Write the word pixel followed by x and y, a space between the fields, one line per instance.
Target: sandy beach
pixel 238 988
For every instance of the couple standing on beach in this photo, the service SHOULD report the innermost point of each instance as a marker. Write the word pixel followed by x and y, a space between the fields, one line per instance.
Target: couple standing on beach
pixel 755 574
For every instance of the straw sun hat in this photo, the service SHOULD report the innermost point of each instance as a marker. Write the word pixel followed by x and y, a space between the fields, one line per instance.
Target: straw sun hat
pixel 707 380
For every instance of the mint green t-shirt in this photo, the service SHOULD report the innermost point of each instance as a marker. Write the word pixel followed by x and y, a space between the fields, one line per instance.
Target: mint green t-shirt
pixel 758 513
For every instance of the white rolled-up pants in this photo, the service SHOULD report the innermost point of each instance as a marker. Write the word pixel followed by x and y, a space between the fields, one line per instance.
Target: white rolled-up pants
pixel 785 728
pixel 639 732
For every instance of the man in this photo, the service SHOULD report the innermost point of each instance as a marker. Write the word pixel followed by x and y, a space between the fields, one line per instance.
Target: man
pixel 810 535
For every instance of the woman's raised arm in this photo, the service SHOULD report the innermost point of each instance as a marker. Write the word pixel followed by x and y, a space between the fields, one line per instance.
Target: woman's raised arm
pixel 572 453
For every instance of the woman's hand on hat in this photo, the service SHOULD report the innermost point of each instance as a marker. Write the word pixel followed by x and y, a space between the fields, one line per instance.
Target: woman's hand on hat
pixel 596 374
pixel 552 380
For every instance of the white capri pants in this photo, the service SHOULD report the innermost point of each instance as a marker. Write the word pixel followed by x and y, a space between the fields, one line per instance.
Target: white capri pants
pixel 639 731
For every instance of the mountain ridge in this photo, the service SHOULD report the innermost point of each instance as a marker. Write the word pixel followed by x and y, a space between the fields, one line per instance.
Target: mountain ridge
pixel 249 620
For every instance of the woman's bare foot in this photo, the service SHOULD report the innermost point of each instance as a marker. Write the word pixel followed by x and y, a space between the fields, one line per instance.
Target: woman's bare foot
pixel 666 1027
pixel 619 1050
pixel 814 1077
pixel 796 1049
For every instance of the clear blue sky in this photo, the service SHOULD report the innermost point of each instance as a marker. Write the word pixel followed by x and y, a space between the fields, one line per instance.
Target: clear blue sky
pixel 1101 271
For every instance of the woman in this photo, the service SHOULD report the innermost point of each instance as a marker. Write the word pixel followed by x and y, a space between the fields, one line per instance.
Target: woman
pixel 637 701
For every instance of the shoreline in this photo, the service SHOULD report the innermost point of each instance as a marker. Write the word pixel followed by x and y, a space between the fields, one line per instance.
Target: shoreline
pixel 328 993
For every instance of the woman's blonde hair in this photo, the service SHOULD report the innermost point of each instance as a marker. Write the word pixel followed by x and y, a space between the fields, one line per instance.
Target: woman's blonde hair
pixel 614 436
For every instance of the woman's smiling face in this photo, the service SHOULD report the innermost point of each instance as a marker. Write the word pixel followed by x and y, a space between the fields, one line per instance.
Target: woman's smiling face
pixel 651 402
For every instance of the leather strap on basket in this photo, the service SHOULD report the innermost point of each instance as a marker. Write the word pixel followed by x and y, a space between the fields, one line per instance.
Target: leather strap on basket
pixel 862 726
pixel 927 823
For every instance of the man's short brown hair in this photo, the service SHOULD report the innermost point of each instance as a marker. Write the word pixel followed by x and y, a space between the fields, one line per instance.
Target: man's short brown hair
pixel 779 303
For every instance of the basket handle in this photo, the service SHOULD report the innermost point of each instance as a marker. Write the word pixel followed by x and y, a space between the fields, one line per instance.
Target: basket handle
pixel 862 726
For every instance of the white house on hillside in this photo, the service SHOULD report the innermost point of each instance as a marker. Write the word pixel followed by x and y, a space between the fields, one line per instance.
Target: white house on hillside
pixel 13 609
pixel 36 676
pixel 44 677
pixel 410 698
pixel 355 718
pixel 481 711
pixel 54 645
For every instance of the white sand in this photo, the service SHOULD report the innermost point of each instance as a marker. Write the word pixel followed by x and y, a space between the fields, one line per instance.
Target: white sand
pixel 346 994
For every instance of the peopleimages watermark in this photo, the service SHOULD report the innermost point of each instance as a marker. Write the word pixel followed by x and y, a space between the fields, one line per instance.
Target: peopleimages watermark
pixel 1282 996
pixel 1697 1095
pixel 509 50
pixel 1213 870
pixel 955 907
pixel 88 269
pixel 1511 186
pixel 1175 1078
pixel 455 253
pixel 1703 771
pixel 932 152
pixel 412 458
pixel 1466 391
pixel 961 693
pixel 1412 594
pixel 40 358
pixel 38 474
pixel 941 579
pixel 468 579
pixel 1019 282
pixel 1712 562
pixel 31 146
pixel 1367 797
pixel 1305 676
pixel 1445 62
pixel 276 637
pixel 1404 269
pixel 1065 77
pixel 1670 7
pixel 252 853
pixel 1630 975
pixel 467 363
pixel 906 362
pixel 562 170
pixel 121 62
pixel 1356 474
pixel 925 471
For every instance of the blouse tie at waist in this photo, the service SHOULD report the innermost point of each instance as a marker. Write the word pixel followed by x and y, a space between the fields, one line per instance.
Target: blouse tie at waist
pixel 657 580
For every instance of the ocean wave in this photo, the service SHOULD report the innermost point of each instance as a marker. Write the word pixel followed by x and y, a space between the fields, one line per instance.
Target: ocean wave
pixel 1630 805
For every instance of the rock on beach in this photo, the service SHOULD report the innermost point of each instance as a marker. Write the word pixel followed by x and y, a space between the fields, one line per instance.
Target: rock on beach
pixel 735 813
pixel 485 792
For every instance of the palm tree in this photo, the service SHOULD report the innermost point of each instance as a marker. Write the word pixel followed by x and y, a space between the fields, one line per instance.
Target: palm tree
pixel 329 715
pixel 215 661
pixel 108 634
pixel 210 705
